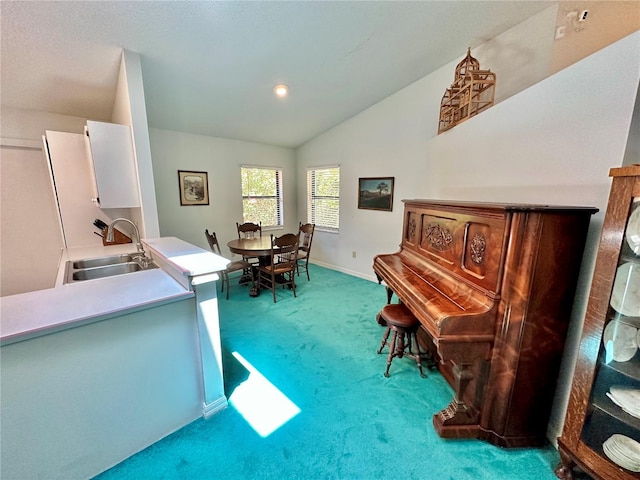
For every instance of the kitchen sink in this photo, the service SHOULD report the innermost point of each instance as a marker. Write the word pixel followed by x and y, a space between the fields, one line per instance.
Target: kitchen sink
pixel 93 268
pixel 102 261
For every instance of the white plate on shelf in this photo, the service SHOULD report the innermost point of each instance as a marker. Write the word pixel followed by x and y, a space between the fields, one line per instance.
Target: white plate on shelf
pixel 623 451
pixel 620 341
pixel 625 297
pixel 628 399
pixel 632 233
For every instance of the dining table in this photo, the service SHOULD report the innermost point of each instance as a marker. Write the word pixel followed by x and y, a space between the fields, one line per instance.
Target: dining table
pixel 252 247
pixel 259 247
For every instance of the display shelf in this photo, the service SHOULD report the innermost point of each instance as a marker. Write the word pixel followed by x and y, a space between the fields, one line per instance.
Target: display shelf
pixel 626 373
pixel 592 416
pixel 607 407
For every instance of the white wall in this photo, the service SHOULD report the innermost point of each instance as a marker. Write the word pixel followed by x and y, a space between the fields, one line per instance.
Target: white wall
pixel 519 57
pixel 221 158
pixel 29 126
pixel 130 109
pixel 632 153
pixel 553 143
pixel 30 237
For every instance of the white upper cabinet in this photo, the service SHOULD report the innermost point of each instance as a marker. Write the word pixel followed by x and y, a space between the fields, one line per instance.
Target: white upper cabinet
pixel 110 150
pixel 73 187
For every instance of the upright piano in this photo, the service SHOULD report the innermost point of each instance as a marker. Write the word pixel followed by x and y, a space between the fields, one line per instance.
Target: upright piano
pixel 493 287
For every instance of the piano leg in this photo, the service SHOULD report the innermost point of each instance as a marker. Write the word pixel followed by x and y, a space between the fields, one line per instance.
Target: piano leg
pixel 458 419
pixel 389 291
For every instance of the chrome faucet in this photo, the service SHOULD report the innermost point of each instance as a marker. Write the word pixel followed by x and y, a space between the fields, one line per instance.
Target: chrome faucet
pixel 135 228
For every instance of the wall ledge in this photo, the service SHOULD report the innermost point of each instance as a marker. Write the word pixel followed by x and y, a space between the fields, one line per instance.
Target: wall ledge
pixel 20 143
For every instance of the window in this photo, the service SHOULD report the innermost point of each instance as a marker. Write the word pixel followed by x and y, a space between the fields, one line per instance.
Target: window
pixel 262 195
pixel 323 197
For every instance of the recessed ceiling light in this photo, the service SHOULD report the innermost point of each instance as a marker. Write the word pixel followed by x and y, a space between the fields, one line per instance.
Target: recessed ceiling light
pixel 281 90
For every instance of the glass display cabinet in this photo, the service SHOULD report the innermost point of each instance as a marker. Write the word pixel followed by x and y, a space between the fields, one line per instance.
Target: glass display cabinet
pixel 601 434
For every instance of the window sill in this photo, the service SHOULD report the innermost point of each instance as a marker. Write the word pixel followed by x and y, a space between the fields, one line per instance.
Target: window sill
pixel 326 230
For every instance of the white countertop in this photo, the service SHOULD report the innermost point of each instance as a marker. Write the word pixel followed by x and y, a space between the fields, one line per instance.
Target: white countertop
pixel 188 258
pixel 32 314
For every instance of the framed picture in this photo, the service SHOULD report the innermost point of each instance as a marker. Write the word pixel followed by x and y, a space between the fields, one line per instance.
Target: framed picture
pixel 376 193
pixel 194 187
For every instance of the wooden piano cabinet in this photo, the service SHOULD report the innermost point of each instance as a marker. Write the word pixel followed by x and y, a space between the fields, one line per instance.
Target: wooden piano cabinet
pixel 541 268
pixel 493 287
pixel 592 417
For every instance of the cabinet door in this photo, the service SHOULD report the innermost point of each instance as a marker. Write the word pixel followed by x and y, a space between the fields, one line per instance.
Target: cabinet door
pixel 111 152
pixel 612 423
pixel 71 180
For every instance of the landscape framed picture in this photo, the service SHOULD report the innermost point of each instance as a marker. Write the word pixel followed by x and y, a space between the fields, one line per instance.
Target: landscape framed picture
pixel 376 193
pixel 194 187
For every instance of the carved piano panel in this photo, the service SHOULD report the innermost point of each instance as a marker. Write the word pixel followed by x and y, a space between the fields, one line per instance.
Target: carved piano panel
pixel 412 229
pixel 436 238
pixel 493 287
pixel 466 245
pixel 474 258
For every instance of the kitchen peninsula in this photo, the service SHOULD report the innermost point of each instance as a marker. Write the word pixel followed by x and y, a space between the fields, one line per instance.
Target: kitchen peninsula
pixel 97 370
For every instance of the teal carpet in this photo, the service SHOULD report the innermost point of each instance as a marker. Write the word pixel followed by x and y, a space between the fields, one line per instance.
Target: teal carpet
pixel 319 350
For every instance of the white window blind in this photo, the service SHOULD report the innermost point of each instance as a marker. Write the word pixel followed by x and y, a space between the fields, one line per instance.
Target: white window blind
pixel 262 195
pixel 323 197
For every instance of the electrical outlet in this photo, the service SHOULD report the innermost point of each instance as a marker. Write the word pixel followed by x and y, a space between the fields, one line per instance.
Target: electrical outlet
pixel 560 32
pixel 353 254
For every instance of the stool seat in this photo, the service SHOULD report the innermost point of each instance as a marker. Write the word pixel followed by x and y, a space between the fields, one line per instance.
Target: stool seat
pixel 399 319
pixel 398 315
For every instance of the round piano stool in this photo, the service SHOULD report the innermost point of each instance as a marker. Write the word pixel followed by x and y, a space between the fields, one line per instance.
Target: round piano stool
pixel 398 319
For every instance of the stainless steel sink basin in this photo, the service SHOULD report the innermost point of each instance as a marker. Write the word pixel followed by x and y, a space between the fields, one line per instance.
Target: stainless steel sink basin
pixel 102 261
pixel 105 271
pixel 93 268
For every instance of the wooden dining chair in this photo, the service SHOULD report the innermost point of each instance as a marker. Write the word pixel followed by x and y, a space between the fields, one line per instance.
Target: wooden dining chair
pixel 305 231
pixel 249 229
pixel 234 266
pixel 283 266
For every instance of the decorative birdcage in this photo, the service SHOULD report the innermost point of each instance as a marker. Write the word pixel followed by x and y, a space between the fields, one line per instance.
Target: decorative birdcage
pixel 472 91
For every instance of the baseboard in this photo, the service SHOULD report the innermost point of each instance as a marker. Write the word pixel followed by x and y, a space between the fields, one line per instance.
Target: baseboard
pixel 353 273
pixel 209 409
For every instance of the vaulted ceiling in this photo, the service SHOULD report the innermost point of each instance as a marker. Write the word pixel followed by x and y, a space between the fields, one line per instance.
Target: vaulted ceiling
pixel 209 67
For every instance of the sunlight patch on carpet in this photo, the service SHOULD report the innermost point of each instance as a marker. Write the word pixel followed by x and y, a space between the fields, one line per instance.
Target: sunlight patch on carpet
pixel 260 402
